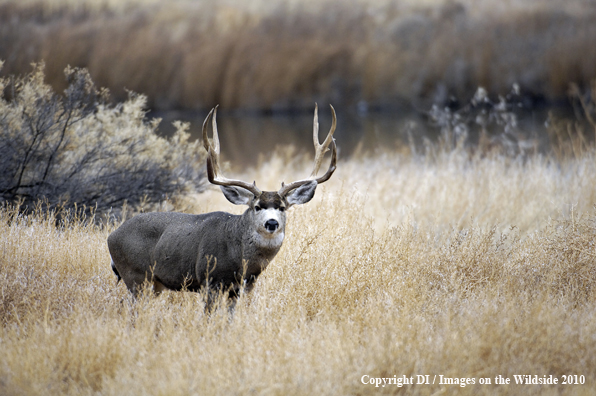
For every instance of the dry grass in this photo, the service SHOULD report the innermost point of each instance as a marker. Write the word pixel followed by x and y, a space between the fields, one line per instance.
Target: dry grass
pixel 444 264
pixel 287 54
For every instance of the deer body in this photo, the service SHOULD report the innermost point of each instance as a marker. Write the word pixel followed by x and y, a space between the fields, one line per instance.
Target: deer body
pixel 180 249
pixel 217 249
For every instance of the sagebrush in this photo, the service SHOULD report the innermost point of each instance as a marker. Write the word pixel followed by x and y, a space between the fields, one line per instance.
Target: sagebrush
pixel 78 149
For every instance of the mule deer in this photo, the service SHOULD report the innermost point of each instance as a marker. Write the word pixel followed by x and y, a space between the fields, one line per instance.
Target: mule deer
pixel 217 249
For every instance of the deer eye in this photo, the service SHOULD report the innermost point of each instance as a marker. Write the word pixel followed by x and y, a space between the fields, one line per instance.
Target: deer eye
pixel 257 208
pixel 282 209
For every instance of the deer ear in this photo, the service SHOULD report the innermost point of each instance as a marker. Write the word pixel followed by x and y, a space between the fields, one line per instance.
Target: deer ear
pixel 236 195
pixel 302 194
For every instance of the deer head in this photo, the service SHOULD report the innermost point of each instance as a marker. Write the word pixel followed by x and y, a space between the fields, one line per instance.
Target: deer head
pixel 267 208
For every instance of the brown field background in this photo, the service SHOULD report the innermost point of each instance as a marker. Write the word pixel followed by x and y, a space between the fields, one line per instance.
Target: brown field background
pixel 284 54
pixel 467 261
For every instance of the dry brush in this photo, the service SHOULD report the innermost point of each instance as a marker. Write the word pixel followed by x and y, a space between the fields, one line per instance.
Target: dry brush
pixel 402 264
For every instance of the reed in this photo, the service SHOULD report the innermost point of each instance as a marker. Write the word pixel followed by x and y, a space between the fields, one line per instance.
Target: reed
pixel 282 54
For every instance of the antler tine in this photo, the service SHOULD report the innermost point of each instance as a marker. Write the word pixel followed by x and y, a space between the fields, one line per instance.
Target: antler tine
pixel 206 143
pixel 320 150
pixel 214 173
pixel 332 164
pixel 215 134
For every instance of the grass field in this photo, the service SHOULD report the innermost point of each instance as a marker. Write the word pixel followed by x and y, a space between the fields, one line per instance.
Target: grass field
pixel 285 55
pixel 463 263
pixel 454 264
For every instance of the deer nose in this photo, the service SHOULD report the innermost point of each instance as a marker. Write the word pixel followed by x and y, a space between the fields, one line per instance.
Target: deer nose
pixel 271 225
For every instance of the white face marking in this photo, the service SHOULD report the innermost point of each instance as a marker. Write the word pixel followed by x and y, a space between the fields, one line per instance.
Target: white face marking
pixel 274 241
pixel 265 237
pixel 269 214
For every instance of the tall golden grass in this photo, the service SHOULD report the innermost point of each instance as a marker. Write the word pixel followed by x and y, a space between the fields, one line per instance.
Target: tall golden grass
pixel 452 263
pixel 285 54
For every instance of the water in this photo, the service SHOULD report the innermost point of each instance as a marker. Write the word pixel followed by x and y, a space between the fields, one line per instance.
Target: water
pixel 244 137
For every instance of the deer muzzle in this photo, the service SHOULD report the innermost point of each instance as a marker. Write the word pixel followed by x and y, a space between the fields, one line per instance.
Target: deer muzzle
pixel 271 225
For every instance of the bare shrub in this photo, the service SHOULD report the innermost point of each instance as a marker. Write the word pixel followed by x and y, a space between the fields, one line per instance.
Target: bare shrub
pixel 483 123
pixel 76 149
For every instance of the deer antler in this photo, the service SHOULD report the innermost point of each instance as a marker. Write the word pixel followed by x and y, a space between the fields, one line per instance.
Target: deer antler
pixel 214 173
pixel 320 150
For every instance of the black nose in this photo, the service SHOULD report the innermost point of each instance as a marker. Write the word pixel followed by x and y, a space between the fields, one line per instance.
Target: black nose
pixel 271 225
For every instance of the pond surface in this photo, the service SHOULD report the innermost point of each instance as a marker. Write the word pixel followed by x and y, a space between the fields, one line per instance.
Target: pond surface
pixel 244 137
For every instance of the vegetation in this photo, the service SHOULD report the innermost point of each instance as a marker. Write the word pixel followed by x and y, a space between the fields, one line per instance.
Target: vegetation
pixel 75 149
pixel 455 262
pixel 473 256
pixel 284 54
